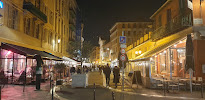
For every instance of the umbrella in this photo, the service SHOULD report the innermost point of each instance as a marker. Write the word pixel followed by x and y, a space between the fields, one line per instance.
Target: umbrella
pixel 189 53
pixel 189 58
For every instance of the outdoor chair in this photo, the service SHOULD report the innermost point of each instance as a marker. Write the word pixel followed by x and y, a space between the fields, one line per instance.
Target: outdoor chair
pixel 195 84
pixel 181 84
pixel 160 84
pixel 173 85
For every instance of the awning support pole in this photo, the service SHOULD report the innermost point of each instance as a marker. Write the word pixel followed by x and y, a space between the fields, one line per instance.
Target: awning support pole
pixel 170 57
pixel 25 75
pixel 12 78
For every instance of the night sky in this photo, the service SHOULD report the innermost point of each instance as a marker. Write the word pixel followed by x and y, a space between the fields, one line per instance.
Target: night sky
pixel 100 15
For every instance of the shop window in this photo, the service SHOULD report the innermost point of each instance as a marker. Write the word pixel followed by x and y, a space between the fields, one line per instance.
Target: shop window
pixel 163 61
pixel 153 64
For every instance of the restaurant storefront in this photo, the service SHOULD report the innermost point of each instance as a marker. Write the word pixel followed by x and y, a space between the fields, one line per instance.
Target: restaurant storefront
pixel 168 62
pixel 16 60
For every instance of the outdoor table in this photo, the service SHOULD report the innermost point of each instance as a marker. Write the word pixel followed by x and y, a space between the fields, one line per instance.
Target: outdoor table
pixel 185 80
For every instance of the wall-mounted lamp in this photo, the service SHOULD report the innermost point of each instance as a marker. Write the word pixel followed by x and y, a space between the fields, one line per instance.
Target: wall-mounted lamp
pixel 59 40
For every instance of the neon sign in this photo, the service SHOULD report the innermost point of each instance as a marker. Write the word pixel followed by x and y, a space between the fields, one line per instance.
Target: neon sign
pixel 1 4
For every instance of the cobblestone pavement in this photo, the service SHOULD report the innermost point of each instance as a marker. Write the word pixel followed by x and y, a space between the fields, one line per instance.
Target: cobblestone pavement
pixel 15 92
pixel 103 93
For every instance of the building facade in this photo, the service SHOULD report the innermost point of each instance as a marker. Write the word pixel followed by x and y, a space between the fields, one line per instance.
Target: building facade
pixel 73 11
pixel 132 31
pixel 177 31
pixel 30 27
pixel 95 56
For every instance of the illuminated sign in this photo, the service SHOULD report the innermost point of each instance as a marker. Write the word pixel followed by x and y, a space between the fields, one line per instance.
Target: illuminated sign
pixel 1 4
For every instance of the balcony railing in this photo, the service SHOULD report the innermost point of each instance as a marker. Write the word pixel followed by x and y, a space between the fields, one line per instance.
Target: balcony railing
pixel 35 11
pixel 175 25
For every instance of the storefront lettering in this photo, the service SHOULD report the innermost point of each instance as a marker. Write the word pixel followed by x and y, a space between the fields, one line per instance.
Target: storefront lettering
pixel 187 20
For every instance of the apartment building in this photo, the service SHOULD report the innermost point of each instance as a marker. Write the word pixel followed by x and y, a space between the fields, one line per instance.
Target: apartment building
pixel 30 27
pixel 132 30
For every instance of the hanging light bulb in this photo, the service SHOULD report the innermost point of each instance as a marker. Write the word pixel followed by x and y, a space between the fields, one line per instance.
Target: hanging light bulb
pixel 140 52
pixel 136 52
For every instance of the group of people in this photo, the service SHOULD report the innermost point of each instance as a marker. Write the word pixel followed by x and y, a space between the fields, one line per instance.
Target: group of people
pixel 79 70
pixel 107 72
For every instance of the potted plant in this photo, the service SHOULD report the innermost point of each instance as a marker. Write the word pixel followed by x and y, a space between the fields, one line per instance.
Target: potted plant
pixel 59 67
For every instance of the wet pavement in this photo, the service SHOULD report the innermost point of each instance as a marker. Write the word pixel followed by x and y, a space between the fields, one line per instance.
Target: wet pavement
pixel 15 92
pixel 103 93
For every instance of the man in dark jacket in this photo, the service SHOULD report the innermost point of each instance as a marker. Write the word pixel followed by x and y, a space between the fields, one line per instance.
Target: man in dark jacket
pixel 116 73
pixel 107 72
pixel 72 70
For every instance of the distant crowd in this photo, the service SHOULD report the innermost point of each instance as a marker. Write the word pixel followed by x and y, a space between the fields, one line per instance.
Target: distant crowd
pixel 106 69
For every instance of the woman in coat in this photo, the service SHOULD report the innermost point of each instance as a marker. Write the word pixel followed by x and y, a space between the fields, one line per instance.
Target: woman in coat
pixel 116 73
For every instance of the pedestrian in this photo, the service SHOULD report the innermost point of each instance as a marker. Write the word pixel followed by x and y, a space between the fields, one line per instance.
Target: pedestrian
pixel 78 70
pixel 100 69
pixel 72 70
pixel 116 73
pixel 107 72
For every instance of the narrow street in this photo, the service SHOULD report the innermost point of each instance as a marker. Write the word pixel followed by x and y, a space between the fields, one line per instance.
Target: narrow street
pixel 103 93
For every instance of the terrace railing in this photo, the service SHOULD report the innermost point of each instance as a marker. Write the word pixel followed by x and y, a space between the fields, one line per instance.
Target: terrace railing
pixel 177 24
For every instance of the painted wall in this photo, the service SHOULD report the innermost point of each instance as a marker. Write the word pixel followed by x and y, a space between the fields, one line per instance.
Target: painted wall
pixel 199 55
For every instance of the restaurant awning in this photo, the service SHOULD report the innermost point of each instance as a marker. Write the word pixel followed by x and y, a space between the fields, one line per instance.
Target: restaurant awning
pixel 163 44
pixel 28 52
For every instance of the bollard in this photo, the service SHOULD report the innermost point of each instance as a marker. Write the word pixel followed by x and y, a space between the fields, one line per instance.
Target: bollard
pixel 94 92
pixel 164 87
pixel 113 96
pixel 202 90
pixel 52 91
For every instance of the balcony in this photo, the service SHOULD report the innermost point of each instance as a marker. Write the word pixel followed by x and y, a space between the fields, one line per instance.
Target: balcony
pixel 177 24
pixel 35 11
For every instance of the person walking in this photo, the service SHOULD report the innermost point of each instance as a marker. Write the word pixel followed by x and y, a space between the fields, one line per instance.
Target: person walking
pixel 107 72
pixel 116 73
pixel 72 70
pixel 78 70
pixel 100 69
